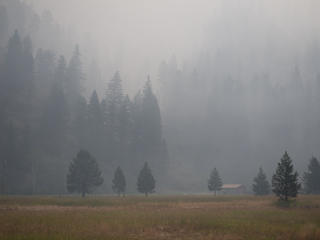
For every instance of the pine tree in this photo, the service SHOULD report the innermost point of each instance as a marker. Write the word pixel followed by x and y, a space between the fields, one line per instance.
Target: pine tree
pixel 84 174
pixel 114 101
pixel 146 182
pixel 80 122
pixel 119 182
pixel 3 24
pixel 12 64
pixel 45 66
pixel 153 145
pixel 28 70
pixel 55 120
pixel 60 73
pixel 311 178
pixel 95 127
pixel 284 181
pixel 261 185
pixel 75 77
pixel 125 127
pixel 215 182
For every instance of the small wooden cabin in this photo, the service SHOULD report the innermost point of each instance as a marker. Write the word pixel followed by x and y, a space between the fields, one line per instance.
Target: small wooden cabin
pixel 233 189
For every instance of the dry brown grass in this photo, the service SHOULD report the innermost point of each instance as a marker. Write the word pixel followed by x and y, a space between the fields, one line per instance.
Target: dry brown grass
pixel 159 217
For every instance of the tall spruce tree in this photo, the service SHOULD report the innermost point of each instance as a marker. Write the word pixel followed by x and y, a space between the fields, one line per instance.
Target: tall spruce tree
pixel 119 182
pixel 60 73
pixel 3 25
pixel 28 70
pixel 54 121
pixel 95 127
pixel 84 174
pixel 214 182
pixel 311 178
pixel 80 122
pixel 45 63
pixel 75 77
pixel 145 181
pixel 284 182
pixel 153 146
pixel 261 185
pixel 114 101
pixel 12 64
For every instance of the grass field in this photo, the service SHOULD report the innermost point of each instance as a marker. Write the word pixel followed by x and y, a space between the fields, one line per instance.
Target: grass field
pixel 159 217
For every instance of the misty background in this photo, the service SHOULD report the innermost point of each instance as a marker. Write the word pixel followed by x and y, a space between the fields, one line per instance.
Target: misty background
pixel 233 85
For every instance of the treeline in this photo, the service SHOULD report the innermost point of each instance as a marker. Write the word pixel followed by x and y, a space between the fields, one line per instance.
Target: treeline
pixel 44 118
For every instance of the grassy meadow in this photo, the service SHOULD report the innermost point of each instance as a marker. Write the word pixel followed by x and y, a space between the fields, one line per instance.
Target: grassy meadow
pixel 158 217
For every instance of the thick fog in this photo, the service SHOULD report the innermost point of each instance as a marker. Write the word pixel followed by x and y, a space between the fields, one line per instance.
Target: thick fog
pixel 237 84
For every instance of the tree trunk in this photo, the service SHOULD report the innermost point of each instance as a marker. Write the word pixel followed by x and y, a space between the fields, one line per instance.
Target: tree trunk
pixel 83 194
pixel 215 191
pixel 118 193
pixel 124 194
pixel 146 194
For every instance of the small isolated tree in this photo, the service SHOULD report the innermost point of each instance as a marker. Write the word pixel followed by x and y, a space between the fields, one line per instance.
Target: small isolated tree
pixel 84 174
pixel 215 182
pixel 146 182
pixel 311 178
pixel 119 182
pixel 284 181
pixel 261 185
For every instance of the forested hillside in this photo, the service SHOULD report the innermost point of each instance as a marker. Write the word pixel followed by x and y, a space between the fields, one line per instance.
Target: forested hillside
pixel 247 94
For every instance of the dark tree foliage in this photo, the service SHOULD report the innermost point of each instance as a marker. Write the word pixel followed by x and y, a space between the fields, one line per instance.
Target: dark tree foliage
pixel 84 174
pixel 54 120
pixel 3 24
pixel 119 182
pixel 75 77
pixel 284 182
pixel 214 182
pixel 311 178
pixel 12 64
pixel 60 73
pixel 114 101
pixel 261 185
pixel 95 128
pixel 145 181
pixel 28 70
pixel 45 66
pixel 80 122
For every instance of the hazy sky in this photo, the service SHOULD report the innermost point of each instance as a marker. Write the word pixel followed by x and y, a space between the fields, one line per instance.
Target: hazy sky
pixel 153 29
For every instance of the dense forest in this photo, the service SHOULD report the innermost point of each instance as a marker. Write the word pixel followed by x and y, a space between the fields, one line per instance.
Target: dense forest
pixel 247 95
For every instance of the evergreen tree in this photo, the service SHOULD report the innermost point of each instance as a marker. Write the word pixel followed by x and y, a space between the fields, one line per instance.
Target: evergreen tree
pixel 146 182
pixel 60 73
pixel 125 124
pixel 3 25
pixel 284 181
pixel 28 70
pixel 12 64
pixel 75 77
pixel 261 185
pixel 45 66
pixel 55 120
pixel 114 101
pixel 95 128
pixel 119 182
pixel 215 182
pixel 80 122
pixel 311 178
pixel 84 174
pixel 153 145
